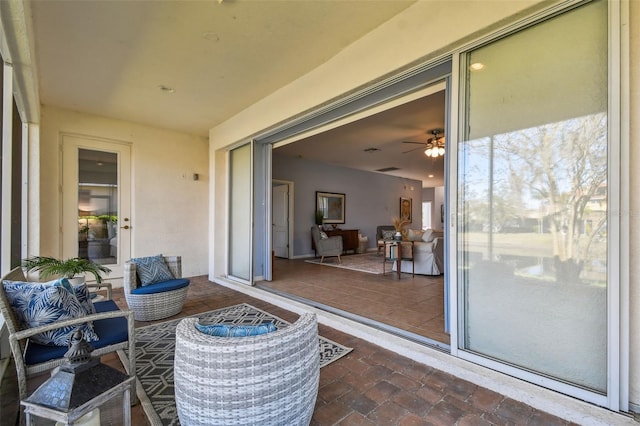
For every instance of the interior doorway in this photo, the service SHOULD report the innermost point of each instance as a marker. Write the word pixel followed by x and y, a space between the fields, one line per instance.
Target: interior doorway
pixel 282 207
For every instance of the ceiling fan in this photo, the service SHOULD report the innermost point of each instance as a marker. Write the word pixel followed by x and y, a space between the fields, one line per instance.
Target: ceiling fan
pixel 434 145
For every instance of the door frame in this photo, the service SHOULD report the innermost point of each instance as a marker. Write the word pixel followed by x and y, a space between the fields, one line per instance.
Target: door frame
pixel 290 213
pixel 69 194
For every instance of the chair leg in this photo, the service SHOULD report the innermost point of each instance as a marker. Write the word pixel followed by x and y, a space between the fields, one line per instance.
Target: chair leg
pixel 321 259
pixel 339 260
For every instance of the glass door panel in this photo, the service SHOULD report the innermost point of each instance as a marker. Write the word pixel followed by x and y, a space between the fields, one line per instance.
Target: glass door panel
pixel 96 201
pixel 98 206
pixel 533 192
pixel 240 214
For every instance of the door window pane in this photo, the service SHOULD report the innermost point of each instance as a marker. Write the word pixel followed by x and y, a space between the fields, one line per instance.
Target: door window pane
pixel 533 199
pixel 98 206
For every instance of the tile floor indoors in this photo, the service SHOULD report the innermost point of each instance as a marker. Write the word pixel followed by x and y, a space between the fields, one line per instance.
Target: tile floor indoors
pixel 414 303
pixel 369 386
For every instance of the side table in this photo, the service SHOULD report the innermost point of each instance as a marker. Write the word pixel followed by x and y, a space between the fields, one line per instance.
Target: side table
pixel 397 251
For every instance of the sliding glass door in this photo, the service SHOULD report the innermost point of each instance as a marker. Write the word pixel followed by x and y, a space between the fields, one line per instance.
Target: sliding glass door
pixel 533 202
pixel 240 213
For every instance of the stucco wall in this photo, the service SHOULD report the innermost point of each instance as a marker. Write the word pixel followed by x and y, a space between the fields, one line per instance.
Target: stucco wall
pixel 169 212
pixel 394 45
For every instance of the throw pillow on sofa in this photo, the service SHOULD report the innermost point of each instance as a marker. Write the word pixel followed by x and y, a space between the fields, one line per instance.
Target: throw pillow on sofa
pixel 414 234
pixel 428 236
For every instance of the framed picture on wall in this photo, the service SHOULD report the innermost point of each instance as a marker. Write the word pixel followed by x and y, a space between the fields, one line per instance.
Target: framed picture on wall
pixel 332 206
pixel 406 209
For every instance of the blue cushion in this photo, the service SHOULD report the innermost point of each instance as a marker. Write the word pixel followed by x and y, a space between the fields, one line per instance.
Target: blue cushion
pixel 152 269
pixel 161 287
pixel 109 331
pixel 37 304
pixel 224 330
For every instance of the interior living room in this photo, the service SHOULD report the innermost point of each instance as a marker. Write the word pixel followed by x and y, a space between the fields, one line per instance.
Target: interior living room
pixel 374 163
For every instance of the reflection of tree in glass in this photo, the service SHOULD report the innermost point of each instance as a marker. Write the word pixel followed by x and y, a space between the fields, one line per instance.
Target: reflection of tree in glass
pixel 564 167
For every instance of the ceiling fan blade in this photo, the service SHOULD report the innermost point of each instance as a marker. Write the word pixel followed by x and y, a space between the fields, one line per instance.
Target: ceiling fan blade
pixel 411 150
pixel 421 143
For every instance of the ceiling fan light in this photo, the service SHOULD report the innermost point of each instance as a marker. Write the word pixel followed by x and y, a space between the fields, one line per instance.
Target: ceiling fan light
pixel 427 152
pixel 440 151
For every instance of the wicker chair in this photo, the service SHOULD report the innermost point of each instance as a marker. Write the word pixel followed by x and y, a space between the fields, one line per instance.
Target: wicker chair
pixel 154 306
pixel 262 380
pixel 114 327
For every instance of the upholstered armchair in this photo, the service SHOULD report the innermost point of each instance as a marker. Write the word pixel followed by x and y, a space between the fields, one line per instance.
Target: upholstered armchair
pixel 384 233
pixel 326 246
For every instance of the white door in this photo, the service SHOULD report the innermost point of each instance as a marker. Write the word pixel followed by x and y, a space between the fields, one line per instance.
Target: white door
pixel 280 200
pixel 96 201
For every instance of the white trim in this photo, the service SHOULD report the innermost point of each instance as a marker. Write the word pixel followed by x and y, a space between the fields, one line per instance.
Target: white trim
pixel 452 189
pixel 24 197
pixel 290 188
pixel 7 126
pixel 622 71
pixel 613 203
pixel 563 406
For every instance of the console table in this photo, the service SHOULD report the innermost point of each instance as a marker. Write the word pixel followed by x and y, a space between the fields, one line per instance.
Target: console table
pixel 350 239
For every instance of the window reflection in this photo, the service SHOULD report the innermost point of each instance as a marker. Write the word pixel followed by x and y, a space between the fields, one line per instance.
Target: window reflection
pixel 537 199
pixel 98 206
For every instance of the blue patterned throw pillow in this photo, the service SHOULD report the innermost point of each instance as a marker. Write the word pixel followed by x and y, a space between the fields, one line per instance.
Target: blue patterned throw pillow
pixel 81 291
pixel 37 304
pixel 224 330
pixel 152 269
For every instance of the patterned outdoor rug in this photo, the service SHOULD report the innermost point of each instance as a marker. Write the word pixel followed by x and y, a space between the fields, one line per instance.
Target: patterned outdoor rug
pixel 155 346
pixel 370 263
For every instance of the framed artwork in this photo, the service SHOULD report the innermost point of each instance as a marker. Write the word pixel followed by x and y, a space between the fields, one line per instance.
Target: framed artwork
pixel 332 206
pixel 406 209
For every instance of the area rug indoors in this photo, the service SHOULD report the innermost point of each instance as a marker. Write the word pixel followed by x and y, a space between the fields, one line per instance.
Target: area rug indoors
pixel 370 263
pixel 155 346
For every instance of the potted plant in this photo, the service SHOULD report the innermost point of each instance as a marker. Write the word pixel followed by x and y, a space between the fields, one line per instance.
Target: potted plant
pixel 70 268
pixel 319 217
pixel 399 224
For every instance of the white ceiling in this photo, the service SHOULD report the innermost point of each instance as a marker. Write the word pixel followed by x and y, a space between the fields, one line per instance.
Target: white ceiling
pixel 111 58
pixel 388 131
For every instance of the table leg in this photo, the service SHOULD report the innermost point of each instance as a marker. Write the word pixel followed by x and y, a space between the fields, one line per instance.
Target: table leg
pixel 399 260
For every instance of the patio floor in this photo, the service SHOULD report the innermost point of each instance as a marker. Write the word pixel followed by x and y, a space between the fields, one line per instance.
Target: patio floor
pixel 369 386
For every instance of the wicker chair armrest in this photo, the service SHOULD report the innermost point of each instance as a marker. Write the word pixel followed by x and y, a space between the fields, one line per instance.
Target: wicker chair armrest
pixel 25 334
pixel 175 265
pixel 102 286
pixel 130 279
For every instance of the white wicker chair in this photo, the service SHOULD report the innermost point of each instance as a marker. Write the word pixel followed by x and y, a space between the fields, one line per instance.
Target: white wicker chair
pixel 271 379
pixel 155 306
